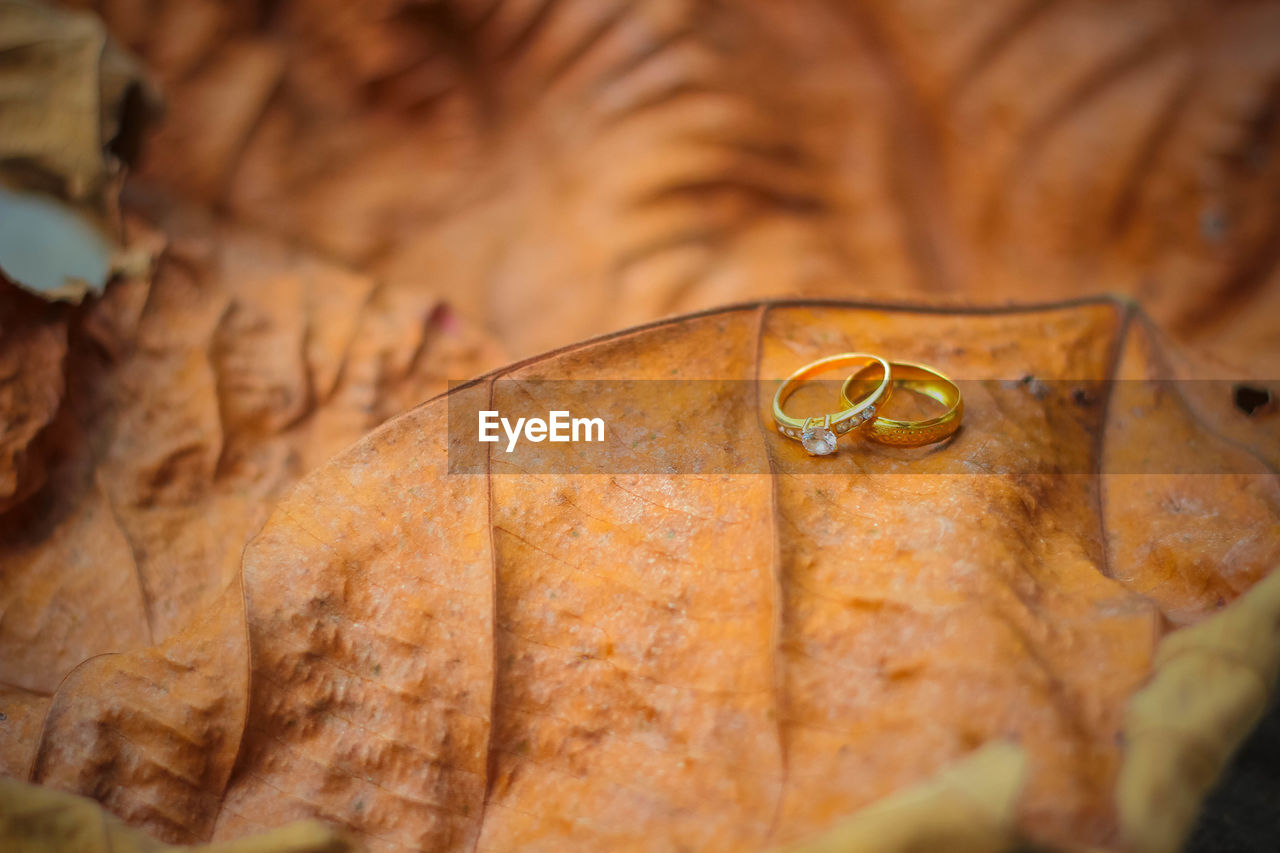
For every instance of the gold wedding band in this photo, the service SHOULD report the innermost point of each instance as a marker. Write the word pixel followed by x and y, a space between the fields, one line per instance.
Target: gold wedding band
pixel 922 380
pixel 818 434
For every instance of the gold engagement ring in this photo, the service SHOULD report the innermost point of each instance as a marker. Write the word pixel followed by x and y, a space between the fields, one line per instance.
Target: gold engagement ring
pixel 818 434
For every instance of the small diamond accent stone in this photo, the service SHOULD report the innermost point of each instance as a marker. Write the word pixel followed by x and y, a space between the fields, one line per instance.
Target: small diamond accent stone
pixel 819 441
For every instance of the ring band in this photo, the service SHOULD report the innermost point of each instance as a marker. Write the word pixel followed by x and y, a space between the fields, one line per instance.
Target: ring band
pixel 922 380
pixel 818 434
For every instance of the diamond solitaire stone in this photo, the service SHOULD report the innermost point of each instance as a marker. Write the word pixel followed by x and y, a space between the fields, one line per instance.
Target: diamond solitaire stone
pixel 819 441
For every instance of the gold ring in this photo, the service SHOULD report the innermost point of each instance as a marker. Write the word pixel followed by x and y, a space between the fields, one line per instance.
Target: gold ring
pixel 818 434
pixel 922 380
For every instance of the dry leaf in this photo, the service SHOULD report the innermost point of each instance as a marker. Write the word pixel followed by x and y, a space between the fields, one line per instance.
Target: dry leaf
pixel 598 164
pixel 588 661
pixel 38 820
pixel 66 91
pixel 437 661
pixel 33 345
pixel 1212 683
pixel 147 435
pixel 72 104
pixel 969 808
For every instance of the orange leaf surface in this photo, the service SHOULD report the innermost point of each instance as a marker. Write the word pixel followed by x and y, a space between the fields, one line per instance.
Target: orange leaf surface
pixel 147 435
pixel 647 661
pixel 658 157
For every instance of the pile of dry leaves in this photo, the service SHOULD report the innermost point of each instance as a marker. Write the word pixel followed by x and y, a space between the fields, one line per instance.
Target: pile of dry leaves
pixel 238 585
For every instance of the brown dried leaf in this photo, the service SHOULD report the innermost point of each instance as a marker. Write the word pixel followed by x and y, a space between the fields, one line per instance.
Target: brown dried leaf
pixel 65 87
pixel 650 158
pixel 33 346
pixel 38 820
pixel 629 661
pixel 1212 683
pixel 147 435
pixel 72 104
pixel 969 808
